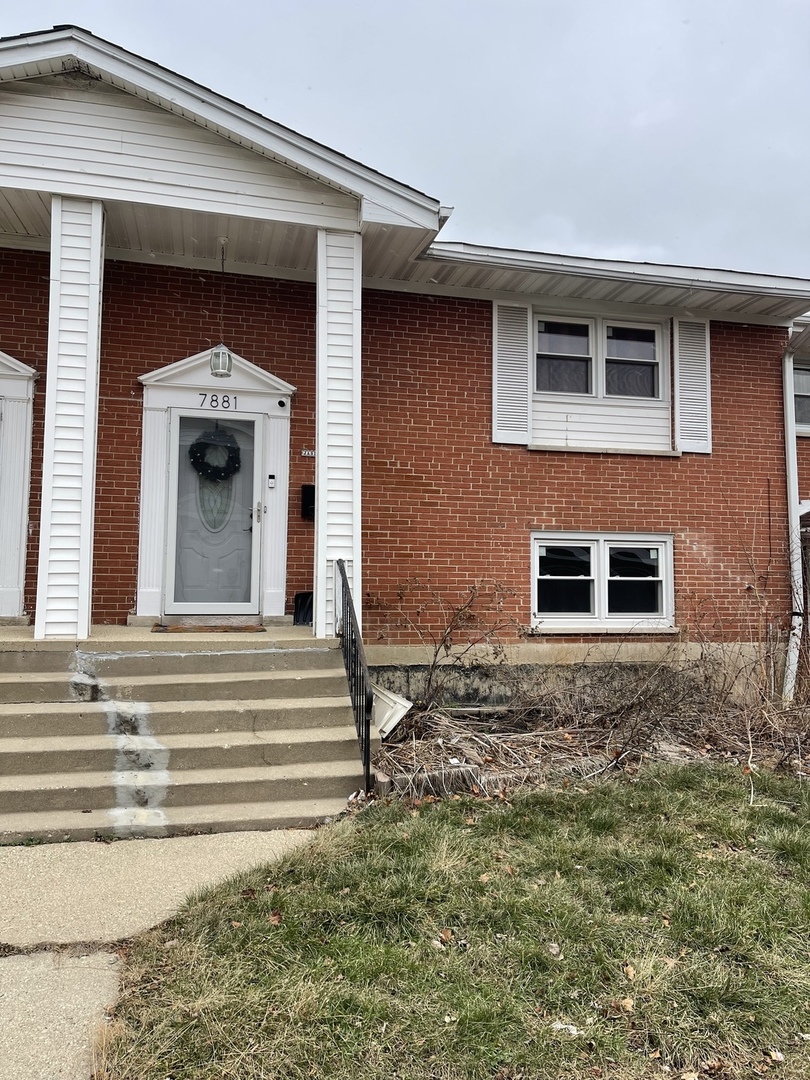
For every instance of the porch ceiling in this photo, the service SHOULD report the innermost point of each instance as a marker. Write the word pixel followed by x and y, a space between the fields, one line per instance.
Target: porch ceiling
pixel 140 233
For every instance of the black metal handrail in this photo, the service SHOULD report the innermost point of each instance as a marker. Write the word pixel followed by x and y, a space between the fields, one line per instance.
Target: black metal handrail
pixel 354 659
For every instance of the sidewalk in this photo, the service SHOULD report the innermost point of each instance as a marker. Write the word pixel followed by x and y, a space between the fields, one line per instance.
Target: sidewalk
pixel 62 907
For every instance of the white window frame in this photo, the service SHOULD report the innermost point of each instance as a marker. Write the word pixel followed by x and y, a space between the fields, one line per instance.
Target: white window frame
pixel 598 325
pixel 600 620
pixel 801 429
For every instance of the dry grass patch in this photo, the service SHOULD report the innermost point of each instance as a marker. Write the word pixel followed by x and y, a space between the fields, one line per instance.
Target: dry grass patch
pixel 629 929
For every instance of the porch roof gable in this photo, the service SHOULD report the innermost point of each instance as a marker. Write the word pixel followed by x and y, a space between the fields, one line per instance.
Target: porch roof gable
pixel 70 48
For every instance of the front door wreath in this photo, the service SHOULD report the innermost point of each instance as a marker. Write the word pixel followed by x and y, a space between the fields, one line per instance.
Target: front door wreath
pixel 202 446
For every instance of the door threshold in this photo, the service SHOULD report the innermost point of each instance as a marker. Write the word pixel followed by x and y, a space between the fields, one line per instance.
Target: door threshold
pixel 191 621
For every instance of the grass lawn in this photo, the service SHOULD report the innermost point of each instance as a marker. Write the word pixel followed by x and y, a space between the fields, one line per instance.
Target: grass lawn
pixel 650 926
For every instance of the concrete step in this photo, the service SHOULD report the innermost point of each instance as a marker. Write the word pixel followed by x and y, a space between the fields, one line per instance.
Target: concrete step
pixel 114 666
pixel 191 750
pixel 61 825
pixel 31 660
pixel 21 687
pixel 43 687
pixel 137 650
pixel 237 685
pixel 41 719
pixel 158 789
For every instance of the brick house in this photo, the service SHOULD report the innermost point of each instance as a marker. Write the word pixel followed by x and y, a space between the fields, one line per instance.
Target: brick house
pixel 609 441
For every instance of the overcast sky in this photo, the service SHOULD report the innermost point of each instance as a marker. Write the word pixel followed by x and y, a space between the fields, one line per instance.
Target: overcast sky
pixel 662 130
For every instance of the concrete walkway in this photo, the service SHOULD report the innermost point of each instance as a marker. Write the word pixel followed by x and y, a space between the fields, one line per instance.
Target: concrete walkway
pixel 62 907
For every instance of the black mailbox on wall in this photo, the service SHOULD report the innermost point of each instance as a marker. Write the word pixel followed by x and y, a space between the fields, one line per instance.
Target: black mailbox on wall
pixel 308 502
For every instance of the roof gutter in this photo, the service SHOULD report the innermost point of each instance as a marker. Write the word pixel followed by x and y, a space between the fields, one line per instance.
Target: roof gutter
pixel 794 535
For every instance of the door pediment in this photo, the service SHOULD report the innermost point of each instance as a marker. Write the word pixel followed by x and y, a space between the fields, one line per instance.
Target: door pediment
pixel 16 378
pixel 194 373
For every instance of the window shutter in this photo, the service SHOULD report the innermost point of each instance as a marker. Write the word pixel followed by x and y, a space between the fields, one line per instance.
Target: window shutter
pixel 511 395
pixel 693 412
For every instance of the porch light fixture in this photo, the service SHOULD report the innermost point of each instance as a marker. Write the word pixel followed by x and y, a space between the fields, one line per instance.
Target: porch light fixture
pixel 221 362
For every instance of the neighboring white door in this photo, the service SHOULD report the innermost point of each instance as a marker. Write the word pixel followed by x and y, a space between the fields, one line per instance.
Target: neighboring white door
pixel 215 514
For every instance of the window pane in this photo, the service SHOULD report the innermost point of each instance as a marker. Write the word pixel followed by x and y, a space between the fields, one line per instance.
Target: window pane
pixel 561 597
pixel 563 339
pixel 801 381
pixel 631 380
pixel 629 343
pixel 559 561
pixel 563 376
pixel 802 410
pixel 633 562
pixel 634 598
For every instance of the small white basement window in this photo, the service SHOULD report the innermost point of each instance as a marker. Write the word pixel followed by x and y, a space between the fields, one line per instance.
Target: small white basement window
pixel 592 582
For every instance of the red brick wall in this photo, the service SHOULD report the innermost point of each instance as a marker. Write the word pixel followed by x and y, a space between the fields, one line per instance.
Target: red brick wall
pixel 442 504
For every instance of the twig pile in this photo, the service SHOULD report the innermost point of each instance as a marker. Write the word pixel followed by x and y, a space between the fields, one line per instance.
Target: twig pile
pixel 441 750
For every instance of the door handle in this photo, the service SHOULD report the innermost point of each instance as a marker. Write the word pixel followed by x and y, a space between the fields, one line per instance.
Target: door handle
pixel 258 511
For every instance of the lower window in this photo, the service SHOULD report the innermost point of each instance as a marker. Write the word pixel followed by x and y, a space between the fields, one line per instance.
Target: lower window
pixel 601 581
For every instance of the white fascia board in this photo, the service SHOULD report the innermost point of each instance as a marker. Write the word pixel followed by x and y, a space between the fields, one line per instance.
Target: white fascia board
pixel 75 49
pixel 736 281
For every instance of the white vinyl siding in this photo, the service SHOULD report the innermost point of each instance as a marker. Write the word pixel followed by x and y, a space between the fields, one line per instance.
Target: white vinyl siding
pixel 572 421
pixel 693 412
pixel 112 146
pixel 337 481
pixel 71 411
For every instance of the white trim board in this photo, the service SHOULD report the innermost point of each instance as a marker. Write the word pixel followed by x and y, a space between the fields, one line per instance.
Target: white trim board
pixel 16 409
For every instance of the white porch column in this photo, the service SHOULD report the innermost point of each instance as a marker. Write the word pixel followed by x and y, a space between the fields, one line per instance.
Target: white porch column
pixel 337 422
pixel 71 412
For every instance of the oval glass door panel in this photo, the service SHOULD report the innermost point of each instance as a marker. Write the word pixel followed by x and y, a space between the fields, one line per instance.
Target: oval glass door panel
pixel 215 507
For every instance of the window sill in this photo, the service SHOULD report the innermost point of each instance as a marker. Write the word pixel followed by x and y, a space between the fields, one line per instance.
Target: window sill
pixel 609 449
pixel 543 629
pixel 803 432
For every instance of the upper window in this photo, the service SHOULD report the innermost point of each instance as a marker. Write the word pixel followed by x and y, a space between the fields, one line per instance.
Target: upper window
pixel 801 399
pixel 598 357
pixel 598 582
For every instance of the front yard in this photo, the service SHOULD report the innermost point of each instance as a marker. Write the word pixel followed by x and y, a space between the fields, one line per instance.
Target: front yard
pixel 648 926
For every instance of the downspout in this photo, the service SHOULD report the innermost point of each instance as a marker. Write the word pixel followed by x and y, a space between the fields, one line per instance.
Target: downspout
pixel 794 535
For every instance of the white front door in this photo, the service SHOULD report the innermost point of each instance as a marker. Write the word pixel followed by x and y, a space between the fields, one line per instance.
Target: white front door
pixel 215 514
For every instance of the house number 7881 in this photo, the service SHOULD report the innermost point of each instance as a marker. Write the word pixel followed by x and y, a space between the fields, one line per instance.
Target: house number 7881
pixel 218 401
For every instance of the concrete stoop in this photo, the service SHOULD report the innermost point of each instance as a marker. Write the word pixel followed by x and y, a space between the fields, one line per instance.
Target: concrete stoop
pixel 137 737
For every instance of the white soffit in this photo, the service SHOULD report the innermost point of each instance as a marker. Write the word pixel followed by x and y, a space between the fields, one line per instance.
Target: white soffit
pixel 487 271
pixel 69 48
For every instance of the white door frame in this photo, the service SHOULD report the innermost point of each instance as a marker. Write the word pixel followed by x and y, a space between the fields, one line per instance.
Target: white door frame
pixel 16 397
pixel 257 504
pixel 188 387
